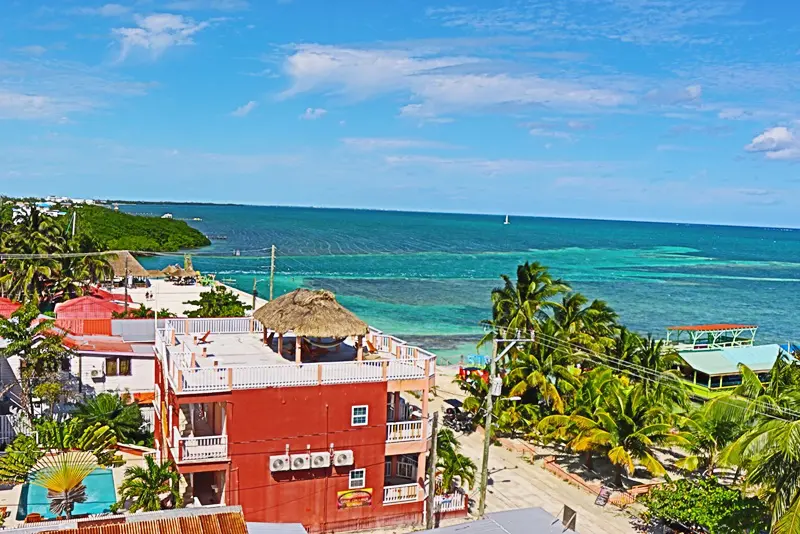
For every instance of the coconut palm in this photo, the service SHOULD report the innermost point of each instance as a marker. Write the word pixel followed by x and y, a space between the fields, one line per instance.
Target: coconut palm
pixel 626 428
pixel 519 305
pixel 62 475
pixel 590 326
pixel 451 463
pixel 545 367
pixel 146 488
pixel 40 350
pixel 708 432
pixel 124 419
pixel 665 385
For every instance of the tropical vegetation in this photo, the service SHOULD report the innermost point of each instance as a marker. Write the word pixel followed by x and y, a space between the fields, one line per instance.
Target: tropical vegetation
pixel 451 465
pixel 62 475
pixel 115 230
pixel 219 302
pixel 150 488
pixel 55 267
pixel 577 380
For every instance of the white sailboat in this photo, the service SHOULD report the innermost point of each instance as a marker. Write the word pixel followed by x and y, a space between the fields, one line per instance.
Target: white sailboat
pixel 507 221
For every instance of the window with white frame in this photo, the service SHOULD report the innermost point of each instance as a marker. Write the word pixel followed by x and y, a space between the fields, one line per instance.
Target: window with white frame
pixel 358 479
pixel 359 415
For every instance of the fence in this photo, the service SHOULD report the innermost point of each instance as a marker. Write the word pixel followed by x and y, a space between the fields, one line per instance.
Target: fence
pixel 450 503
pixel 400 494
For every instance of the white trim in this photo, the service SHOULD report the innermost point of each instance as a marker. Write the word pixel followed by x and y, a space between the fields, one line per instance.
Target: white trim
pixel 351 484
pixel 353 415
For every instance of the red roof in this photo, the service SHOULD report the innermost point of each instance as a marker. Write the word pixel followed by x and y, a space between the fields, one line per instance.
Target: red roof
pixel 97 344
pixel 108 295
pixel 87 308
pixel 7 307
pixel 712 327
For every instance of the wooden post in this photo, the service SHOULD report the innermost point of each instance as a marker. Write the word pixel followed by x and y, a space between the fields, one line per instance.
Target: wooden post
pixel 384 369
pixel 180 381
pixel 432 475
pixel 194 359
pixel 298 349
pixel 230 377
pixel 360 352
pixel 319 374
pixel 280 343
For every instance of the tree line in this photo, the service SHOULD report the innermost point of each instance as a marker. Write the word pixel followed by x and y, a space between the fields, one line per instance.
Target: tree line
pixel 591 387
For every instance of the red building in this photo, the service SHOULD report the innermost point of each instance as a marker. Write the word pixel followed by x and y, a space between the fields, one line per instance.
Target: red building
pixel 87 307
pixel 327 439
pixel 7 307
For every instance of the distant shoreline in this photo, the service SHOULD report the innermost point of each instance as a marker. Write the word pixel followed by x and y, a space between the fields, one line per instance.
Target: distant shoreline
pixel 456 213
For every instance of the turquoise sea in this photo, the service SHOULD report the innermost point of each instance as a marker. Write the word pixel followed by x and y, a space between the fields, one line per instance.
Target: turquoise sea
pixel 426 277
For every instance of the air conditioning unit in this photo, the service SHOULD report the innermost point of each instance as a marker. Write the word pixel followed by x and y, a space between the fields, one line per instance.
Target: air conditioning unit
pixel 301 461
pixel 320 459
pixel 279 463
pixel 97 373
pixel 341 458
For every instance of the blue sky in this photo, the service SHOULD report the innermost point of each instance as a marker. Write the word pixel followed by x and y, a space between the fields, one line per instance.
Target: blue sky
pixel 630 109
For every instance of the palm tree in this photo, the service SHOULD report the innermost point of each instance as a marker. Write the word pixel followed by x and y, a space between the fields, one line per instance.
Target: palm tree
pixel 589 326
pixel 62 476
pixel 626 428
pixel 708 432
pixel 124 420
pixel 451 463
pixel 147 487
pixel 770 450
pixel 665 385
pixel 40 350
pixel 546 368
pixel 74 434
pixel 519 305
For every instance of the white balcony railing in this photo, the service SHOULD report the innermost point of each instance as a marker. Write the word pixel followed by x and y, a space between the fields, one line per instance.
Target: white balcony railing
pixel 404 431
pixel 206 448
pixel 400 494
pixel 399 362
pixel 452 502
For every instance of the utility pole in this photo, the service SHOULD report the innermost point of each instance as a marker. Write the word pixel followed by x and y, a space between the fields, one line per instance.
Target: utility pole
pixel 432 473
pixel 125 282
pixel 495 389
pixel 272 273
pixel 255 291
pixel 487 431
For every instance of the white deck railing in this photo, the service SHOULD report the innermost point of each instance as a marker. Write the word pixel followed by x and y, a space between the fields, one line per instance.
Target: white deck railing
pixel 205 448
pixel 399 361
pixel 404 431
pixel 400 494
pixel 452 502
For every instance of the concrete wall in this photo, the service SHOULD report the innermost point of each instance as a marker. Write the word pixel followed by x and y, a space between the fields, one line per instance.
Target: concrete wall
pixel 141 378
pixel 262 422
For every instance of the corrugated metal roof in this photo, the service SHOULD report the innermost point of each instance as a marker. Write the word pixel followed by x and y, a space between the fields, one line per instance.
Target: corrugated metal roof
pixel 222 520
pixel 7 307
pixel 87 308
pixel 726 360
pixel 523 521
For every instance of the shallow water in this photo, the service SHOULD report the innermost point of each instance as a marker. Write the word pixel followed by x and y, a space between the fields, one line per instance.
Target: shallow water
pixel 427 277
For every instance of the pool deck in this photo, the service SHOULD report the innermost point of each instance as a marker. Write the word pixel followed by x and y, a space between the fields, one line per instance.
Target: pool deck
pixel 10 497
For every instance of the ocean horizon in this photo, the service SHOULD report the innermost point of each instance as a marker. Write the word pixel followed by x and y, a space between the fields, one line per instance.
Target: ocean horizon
pixel 427 277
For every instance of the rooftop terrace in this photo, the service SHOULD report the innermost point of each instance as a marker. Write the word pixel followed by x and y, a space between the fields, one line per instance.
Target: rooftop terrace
pixel 234 356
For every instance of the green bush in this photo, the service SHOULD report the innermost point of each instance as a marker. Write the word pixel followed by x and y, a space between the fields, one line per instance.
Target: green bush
pixel 706 504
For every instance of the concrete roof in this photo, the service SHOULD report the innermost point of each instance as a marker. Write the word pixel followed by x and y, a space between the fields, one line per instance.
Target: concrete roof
pixel 725 361
pixel 523 521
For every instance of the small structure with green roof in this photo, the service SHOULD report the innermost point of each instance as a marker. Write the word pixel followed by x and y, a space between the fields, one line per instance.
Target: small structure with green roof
pixel 711 355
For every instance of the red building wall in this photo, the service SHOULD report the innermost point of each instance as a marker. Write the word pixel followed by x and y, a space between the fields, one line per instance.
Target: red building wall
pixel 262 422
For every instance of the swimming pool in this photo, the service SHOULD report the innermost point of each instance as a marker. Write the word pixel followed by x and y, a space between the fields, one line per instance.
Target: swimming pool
pixel 100 495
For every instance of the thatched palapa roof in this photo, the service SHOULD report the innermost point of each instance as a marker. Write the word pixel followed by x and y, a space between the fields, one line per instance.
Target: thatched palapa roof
pixel 310 313
pixel 117 261
pixel 169 270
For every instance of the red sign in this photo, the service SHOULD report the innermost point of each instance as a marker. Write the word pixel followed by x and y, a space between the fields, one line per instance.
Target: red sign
pixel 354 498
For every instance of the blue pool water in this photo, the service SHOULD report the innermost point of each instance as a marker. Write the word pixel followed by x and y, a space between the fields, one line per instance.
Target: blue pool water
pixel 100 495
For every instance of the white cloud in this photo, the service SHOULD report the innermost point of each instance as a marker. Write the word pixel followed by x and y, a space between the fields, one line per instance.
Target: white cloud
pixel 439 84
pixel 312 114
pixel 776 143
pixel 389 143
pixel 107 10
pixel 555 134
pixel 199 5
pixel 157 33
pixel 669 96
pixel 31 50
pixel 491 167
pixel 244 110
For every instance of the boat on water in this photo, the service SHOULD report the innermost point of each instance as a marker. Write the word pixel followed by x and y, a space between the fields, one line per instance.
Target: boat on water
pixel 229 280
pixel 507 221
pixel 196 219
pixel 167 216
